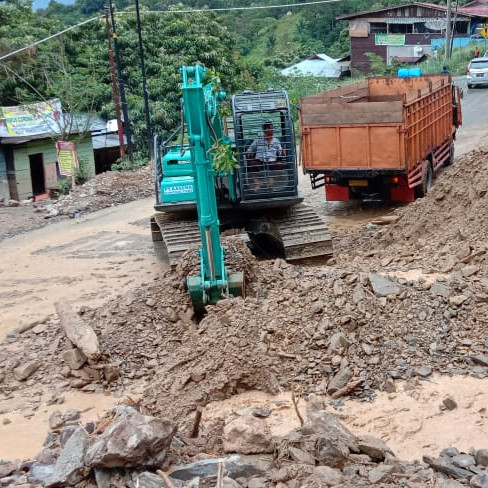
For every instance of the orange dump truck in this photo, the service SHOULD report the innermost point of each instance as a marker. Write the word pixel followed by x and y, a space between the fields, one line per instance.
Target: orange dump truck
pixel 381 138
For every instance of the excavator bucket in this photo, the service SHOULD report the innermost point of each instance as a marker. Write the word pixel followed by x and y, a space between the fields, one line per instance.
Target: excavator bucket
pixel 205 294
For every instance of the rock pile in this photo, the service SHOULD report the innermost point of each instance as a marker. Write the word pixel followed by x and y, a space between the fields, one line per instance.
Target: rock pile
pixel 444 231
pixel 334 330
pixel 128 448
pixel 106 190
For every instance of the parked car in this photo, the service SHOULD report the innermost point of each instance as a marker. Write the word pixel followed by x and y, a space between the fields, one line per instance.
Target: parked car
pixel 477 72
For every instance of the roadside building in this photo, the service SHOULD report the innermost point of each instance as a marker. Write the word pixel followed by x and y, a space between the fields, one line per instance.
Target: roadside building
pixel 28 135
pixel 406 33
pixel 319 65
pixel 106 144
pixel 30 163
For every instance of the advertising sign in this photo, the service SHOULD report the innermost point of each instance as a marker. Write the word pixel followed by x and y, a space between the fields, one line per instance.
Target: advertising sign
pixel 67 157
pixel 389 39
pixel 32 119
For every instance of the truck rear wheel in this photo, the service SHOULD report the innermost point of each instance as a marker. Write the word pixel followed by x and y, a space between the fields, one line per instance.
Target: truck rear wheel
pixel 424 187
pixel 450 160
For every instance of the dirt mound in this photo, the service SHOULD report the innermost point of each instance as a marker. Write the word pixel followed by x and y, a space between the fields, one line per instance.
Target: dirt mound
pixel 108 189
pixel 452 220
pixel 337 330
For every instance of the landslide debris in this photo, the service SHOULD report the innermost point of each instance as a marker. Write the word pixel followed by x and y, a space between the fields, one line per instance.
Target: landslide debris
pixel 397 303
pixel 128 448
pixel 333 330
pixel 106 190
pixel 444 231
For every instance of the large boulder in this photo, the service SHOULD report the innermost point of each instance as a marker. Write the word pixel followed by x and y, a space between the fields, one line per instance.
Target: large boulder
pixel 235 466
pixel 323 423
pixel 375 448
pixel 327 439
pixel 132 440
pixel 247 435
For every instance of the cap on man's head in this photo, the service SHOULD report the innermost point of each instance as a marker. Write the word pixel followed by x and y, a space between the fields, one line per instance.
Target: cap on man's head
pixel 267 124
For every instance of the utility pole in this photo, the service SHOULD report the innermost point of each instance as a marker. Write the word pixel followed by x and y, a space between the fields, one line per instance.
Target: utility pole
pixel 127 129
pixel 144 82
pixel 115 88
pixel 453 33
pixel 448 31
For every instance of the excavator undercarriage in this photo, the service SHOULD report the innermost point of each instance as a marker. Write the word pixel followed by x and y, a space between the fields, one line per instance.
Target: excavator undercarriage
pixel 295 233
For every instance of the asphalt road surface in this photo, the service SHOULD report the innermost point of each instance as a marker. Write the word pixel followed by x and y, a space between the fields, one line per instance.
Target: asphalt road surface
pixel 474 132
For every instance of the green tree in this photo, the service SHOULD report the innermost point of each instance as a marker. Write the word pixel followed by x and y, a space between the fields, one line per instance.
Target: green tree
pixel 271 42
pixel 19 27
pixel 74 67
pixel 172 40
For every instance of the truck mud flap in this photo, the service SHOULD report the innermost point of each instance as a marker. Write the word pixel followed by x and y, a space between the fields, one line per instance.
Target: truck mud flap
pixel 336 193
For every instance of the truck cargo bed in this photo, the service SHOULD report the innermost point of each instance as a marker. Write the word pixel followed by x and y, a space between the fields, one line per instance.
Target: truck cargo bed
pixel 380 123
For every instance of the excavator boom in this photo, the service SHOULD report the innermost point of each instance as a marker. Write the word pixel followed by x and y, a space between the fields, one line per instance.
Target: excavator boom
pixel 203 122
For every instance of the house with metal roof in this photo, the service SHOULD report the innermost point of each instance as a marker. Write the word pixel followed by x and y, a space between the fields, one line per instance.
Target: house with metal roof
pixel 29 157
pixel 409 32
pixel 319 65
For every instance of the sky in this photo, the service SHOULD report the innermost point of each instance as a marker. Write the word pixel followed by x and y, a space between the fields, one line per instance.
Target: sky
pixel 44 3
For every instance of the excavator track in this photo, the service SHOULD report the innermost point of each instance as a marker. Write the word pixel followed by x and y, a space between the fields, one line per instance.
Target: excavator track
pixel 303 233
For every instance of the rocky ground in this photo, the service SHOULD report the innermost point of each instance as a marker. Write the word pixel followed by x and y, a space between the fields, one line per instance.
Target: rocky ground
pixel 397 302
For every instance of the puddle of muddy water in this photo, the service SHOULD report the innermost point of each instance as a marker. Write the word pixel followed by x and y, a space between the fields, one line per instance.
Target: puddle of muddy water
pixel 411 421
pixel 417 274
pixel 22 437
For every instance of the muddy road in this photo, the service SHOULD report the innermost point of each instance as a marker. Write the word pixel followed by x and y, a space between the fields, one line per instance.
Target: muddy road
pixel 87 260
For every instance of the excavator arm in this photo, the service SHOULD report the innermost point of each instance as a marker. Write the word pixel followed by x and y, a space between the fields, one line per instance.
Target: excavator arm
pixel 204 125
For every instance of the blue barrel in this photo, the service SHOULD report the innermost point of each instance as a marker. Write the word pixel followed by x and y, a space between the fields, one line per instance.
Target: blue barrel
pixel 409 72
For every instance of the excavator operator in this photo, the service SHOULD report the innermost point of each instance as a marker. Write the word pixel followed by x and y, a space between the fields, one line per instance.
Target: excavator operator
pixel 264 154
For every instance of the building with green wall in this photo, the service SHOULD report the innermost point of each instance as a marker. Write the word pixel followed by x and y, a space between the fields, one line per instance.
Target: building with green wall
pixel 4 191
pixel 28 155
pixel 30 164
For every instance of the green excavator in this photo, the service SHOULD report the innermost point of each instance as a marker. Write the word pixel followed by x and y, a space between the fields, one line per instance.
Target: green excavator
pixel 255 189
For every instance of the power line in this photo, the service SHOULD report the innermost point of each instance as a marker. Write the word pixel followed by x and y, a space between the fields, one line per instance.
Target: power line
pixel 5 56
pixel 223 9
pixel 229 9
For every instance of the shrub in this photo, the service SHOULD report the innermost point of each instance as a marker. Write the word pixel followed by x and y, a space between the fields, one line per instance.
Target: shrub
pixel 82 173
pixel 125 164
pixel 64 185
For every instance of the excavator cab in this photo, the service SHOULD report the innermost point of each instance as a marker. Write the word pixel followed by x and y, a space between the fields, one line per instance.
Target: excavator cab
pixel 265 143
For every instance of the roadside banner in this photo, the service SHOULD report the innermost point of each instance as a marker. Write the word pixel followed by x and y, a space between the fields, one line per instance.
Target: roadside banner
pixel 30 119
pixel 67 157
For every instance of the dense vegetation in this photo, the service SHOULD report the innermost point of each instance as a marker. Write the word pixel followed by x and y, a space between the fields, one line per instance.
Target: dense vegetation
pixel 244 46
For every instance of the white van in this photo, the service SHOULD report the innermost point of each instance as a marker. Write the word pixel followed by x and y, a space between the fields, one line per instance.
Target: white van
pixel 477 72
